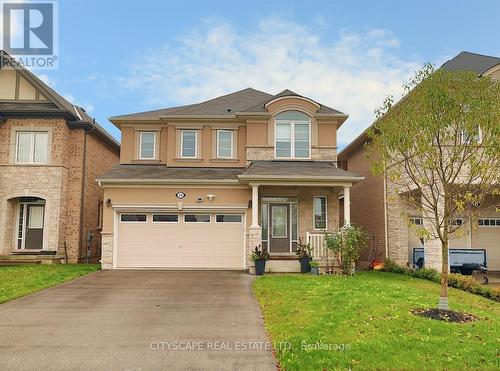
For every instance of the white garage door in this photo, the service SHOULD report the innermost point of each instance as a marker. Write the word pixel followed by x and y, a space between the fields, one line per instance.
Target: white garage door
pixel 180 240
pixel 489 239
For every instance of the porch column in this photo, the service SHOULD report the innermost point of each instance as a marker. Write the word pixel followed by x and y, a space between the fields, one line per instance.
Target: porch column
pixel 255 206
pixel 347 205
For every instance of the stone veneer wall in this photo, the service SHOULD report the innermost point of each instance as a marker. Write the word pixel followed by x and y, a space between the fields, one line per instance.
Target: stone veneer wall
pixel 267 153
pixel 107 250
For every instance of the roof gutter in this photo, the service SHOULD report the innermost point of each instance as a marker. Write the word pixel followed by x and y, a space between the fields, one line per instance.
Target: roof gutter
pixel 303 178
pixel 103 181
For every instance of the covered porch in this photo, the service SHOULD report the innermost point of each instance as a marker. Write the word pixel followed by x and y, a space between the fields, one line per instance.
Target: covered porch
pixel 295 202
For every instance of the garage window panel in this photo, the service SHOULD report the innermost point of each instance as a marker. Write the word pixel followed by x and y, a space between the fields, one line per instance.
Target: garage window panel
pixel 228 218
pixel 165 218
pixel 489 222
pixel 197 218
pixel 133 218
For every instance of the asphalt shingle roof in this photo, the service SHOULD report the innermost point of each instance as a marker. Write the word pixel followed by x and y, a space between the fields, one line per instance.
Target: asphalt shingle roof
pixel 295 169
pixel 246 100
pixel 162 172
pixel 471 62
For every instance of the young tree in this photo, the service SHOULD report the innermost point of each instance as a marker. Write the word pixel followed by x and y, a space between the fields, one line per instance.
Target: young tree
pixel 440 148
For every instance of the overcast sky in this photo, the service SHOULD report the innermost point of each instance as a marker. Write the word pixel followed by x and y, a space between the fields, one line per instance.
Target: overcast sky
pixel 119 57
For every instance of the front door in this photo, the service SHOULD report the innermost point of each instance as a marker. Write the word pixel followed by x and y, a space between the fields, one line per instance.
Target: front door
pixel 34 227
pixel 279 228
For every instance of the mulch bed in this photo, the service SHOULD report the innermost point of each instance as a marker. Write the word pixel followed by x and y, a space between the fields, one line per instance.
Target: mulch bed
pixel 445 315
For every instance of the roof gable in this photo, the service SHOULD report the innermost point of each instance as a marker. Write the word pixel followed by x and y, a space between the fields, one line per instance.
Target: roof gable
pixel 45 100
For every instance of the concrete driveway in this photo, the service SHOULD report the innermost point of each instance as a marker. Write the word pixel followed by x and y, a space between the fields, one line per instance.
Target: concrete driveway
pixel 137 320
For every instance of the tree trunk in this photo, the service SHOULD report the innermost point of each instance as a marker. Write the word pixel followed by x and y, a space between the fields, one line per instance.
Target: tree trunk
pixel 443 297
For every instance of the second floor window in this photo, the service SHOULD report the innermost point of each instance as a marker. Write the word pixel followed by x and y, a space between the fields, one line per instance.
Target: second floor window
pixel 147 145
pixel 32 147
pixel 189 139
pixel 224 144
pixel 292 135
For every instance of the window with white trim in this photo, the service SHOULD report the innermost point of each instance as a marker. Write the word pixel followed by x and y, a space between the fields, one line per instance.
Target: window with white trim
pixel 320 213
pixel 474 137
pixel 417 221
pixel 32 147
pixel 133 218
pixel 228 218
pixel 292 135
pixel 189 143
pixel 489 222
pixel 147 145
pixel 225 140
pixel 165 218
pixel 197 218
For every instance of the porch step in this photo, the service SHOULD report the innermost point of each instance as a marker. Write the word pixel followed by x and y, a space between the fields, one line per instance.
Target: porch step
pixel 283 265
pixel 4 262
pixel 283 257
pixel 18 259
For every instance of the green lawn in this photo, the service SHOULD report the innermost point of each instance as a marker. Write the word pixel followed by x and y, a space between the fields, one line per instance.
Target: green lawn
pixel 16 281
pixel 371 314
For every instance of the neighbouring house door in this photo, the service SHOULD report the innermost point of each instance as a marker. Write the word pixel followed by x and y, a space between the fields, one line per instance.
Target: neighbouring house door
pixel 279 228
pixel 34 227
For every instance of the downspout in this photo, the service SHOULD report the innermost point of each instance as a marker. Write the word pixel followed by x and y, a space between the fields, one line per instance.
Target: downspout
pixel 82 199
pixel 82 194
pixel 386 227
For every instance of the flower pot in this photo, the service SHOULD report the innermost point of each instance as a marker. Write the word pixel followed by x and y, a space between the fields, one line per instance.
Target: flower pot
pixel 305 267
pixel 260 267
pixel 315 271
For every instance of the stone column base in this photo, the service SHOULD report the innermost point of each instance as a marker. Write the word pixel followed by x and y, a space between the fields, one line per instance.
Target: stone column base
pixel 254 238
pixel 107 251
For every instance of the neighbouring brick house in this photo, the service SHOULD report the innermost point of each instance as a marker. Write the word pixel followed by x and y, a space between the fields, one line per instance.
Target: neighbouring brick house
pixel 50 154
pixel 200 186
pixel 376 207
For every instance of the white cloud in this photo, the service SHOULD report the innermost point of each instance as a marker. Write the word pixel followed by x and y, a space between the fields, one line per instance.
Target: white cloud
pixel 352 73
pixel 46 79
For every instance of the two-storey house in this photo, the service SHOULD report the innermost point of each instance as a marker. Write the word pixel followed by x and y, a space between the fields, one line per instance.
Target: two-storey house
pixel 387 218
pixel 51 151
pixel 200 186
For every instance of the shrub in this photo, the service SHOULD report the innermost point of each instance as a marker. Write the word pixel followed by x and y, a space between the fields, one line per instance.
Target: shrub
pixel 458 281
pixel 427 274
pixel 346 245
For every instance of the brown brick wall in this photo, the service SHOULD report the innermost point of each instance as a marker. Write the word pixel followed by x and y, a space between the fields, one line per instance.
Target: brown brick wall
pixel 367 204
pixel 59 182
pixel 100 158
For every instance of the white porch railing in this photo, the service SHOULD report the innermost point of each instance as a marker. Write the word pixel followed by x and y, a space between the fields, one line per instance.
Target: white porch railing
pixel 317 241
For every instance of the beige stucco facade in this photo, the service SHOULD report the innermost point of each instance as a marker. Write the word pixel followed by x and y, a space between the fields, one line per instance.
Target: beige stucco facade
pixel 254 137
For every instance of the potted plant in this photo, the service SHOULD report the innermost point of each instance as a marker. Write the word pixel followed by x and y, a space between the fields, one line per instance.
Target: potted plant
pixel 259 256
pixel 314 267
pixel 304 252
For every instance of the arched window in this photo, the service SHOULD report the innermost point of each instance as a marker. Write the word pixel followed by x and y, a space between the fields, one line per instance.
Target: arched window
pixel 292 137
